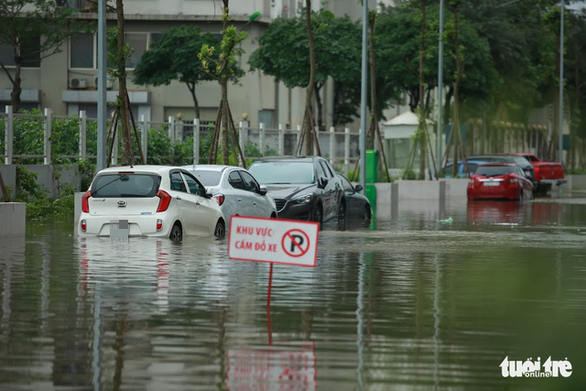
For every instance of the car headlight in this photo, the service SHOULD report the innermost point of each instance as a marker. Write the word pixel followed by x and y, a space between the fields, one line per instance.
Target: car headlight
pixel 304 199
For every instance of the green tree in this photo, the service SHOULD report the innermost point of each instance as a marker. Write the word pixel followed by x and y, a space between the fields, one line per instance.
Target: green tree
pixel 172 58
pixel 284 53
pixel 34 29
pixel 224 70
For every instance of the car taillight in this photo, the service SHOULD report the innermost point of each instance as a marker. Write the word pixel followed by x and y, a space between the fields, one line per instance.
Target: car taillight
pixel 83 225
pixel 85 205
pixel 220 198
pixel 164 201
pixel 513 178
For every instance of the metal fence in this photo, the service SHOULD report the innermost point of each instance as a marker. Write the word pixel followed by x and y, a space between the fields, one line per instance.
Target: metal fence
pixel 75 138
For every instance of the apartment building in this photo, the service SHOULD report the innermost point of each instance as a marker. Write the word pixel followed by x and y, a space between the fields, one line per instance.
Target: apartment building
pixel 66 82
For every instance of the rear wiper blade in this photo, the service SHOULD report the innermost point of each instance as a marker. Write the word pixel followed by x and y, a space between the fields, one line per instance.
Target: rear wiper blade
pixel 118 178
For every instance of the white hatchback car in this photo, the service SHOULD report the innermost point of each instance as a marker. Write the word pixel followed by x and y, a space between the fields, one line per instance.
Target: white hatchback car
pixel 236 190
pixel 160 201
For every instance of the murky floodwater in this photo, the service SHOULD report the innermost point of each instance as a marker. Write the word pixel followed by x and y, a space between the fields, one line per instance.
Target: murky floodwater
pixel 413 303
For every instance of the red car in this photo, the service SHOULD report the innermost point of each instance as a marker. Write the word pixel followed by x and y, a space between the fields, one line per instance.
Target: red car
pixel 499 181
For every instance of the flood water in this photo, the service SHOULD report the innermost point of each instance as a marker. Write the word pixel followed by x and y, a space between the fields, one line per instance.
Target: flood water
pixel 414 302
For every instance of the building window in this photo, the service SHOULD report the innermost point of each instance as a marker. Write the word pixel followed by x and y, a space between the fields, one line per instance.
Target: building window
pixel 30 51
pixel 138 43
pixel 82 51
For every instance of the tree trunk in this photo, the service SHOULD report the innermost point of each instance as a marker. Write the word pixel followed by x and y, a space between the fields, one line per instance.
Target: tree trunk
pixel 308 123
pixel 320 106
pixel 123 128
pixel 191 87
pixel 16 81
pixel 421 131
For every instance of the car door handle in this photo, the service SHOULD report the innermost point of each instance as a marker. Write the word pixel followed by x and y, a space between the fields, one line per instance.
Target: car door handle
pixel 178 198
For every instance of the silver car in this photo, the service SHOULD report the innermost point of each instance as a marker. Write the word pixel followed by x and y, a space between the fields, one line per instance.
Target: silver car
pixel 236 190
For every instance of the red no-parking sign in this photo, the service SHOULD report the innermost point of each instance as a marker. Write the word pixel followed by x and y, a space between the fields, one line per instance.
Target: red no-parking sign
pixel 288 242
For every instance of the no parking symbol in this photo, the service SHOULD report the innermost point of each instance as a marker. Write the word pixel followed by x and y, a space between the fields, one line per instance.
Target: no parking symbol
pixel 295 243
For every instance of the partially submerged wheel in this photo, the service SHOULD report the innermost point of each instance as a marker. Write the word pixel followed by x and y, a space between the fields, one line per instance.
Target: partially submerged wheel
pixel 342 217
pixel 176 234
pixel 318 215
pixel 220 230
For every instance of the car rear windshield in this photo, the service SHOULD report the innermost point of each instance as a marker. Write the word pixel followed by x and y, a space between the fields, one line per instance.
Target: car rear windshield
pixel 125 185
pixel 286 172
pixel 494 170
pixel 207 177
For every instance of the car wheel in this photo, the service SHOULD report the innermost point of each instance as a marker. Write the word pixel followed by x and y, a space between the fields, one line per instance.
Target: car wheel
pixel 367 215
pixel 220 230
pixel 342 217
pixel 273 216
pixel 318 215
pixel 176 234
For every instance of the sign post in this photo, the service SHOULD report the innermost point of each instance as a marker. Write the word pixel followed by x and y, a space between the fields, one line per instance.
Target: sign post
pixel 288 242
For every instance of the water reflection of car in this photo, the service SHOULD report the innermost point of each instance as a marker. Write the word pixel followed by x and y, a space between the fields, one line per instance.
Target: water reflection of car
pixel 159 201
pixel 357 205
pixel 499 181
pixel 236 190
pixel 304 188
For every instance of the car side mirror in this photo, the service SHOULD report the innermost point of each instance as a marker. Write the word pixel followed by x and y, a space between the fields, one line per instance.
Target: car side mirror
pixel 209 193
pixel 358 188
pixel 323 182
pixel 262 190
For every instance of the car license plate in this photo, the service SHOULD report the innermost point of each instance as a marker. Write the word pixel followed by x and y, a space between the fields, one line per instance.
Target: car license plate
pixel 491 183
pixel 119 229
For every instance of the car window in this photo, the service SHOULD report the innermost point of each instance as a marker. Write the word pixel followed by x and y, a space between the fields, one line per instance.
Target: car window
pixel 282 172
pixel 177 183
pixel 249 182
pixel 327 170
pixel 346 184
pixel 489 171
pixel 236 180
pixel 207 177
pixel 194 186
pixel 320 171
pixel 125 185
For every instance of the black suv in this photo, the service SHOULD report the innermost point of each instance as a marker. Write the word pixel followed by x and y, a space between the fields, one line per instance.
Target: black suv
pixel 304 188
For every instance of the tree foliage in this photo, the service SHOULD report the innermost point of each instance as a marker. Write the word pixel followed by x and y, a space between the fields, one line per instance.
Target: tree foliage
pixel 284 53
pixel 174 57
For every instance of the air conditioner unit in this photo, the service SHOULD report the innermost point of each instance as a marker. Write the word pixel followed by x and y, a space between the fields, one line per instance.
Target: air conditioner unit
pixel 109 82
pixel 78 82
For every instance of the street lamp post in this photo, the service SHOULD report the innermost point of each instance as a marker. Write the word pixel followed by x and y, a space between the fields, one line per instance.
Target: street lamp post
pixel 363 98
pixel 561 93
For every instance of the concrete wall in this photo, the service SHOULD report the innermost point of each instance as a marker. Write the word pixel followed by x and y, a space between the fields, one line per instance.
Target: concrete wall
pixel 575 182
pixel 12 218
pixel 51 177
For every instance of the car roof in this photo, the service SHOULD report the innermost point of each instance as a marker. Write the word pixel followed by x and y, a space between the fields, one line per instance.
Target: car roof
pixel 497 164
pixel 209 167
pixel 287 158
pixel 139 169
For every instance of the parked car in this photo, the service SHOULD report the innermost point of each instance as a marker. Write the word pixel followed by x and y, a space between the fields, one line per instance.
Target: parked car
pixel 158 201
pixel 236 191
pixel 499 181
pixel 357 205
pixel 546 173
pixel 463 172
pixel 304 188
pixel 527 168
